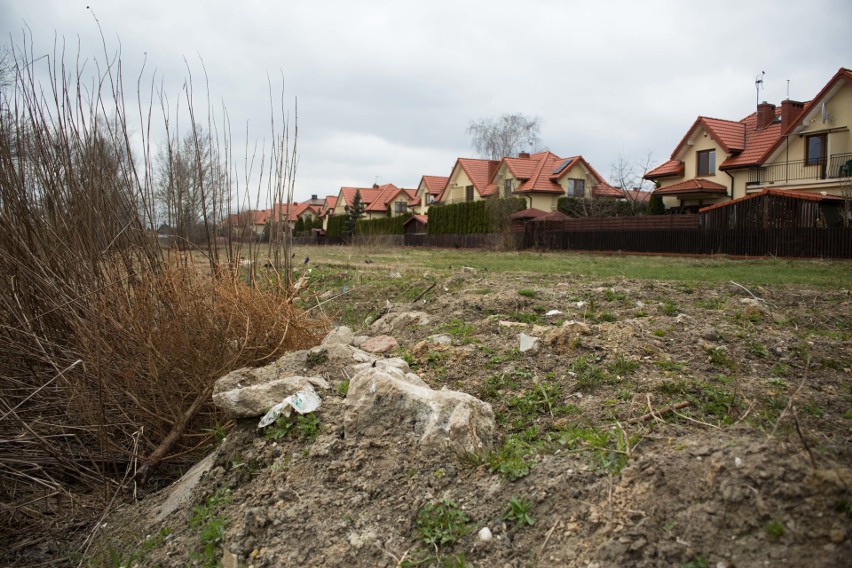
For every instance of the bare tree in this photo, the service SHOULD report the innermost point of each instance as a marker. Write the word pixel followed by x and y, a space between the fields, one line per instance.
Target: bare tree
pixel 629 176
pixel 190 185
pixel 506 135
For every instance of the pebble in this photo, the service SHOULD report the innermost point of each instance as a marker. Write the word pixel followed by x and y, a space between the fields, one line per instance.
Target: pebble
pixel 485 534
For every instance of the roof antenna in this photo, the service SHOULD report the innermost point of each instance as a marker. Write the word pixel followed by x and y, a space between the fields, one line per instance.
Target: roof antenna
pixel 758 84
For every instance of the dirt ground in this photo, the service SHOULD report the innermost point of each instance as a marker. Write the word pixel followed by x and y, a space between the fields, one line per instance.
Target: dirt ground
pixel 673 425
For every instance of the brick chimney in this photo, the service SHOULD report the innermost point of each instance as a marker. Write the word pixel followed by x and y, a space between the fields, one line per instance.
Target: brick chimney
pixel 524 155
pixel 790 112
pixel 765 115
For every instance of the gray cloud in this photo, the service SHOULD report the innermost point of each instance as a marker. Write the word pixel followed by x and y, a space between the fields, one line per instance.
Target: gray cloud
pixel 386 89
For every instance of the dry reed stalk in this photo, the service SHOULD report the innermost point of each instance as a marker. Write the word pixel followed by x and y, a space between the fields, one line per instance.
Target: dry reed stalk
pixel 82 278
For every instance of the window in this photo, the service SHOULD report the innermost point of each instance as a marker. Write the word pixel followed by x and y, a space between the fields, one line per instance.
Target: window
pixel 707 162
pixel 507 187
pixel 430 199
pixel 576 188
pixel 399 207
pixel 815 149
pixel 468 193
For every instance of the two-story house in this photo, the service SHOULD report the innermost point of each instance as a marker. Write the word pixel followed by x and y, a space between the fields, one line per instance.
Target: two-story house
pixel 541 178
pixel 379 201
pixel 429 190
pixel 797 146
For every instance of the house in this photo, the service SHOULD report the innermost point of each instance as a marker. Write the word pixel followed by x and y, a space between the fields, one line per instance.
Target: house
pixel 541 178
pixel 379 201
pixel 798 146
pixel 429 190
pixel 327 209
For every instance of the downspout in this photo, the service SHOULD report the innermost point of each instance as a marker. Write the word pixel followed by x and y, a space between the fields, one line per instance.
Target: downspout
pixel 732 184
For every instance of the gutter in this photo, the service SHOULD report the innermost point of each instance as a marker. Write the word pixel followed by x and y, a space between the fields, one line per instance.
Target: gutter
pixel 732 184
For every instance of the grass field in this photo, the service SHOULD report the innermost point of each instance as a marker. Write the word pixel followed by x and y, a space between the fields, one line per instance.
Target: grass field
pixel 814 273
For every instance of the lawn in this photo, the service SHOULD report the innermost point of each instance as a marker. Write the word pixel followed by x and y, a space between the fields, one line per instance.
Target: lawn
pixel 812 273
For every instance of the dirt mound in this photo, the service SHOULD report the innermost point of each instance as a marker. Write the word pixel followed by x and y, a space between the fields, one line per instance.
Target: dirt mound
pixel 681 426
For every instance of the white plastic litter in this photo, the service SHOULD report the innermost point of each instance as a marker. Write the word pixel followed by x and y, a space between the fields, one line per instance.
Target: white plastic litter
pixel 553 313
pixel 302 402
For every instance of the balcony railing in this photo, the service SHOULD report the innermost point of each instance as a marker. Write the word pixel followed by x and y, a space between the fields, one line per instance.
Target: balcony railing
pixel 837 166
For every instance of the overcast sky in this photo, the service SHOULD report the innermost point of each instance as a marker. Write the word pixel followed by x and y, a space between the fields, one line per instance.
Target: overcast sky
pixel 386 89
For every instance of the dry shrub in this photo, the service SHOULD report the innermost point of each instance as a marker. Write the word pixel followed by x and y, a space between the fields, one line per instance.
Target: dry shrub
pixel 110 346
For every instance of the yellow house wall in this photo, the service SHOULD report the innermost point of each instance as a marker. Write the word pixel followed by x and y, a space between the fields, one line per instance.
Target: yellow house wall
pixel 703 141
pixel 456 187
pixel 840 110
pixel 578 172
pixel 542 202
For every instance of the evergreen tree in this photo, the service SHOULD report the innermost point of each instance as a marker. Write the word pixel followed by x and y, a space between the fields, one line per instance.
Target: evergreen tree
pixel 354 212
pixel 655 205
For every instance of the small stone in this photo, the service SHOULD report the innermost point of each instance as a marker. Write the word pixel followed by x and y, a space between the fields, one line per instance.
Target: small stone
pixel 709 334
pixel 380 344
pixel 440 339
pixel 738 462
pixel 485 534
pixel 837 535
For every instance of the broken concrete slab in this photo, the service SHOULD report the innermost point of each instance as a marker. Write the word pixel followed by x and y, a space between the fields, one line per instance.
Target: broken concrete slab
pixel 527 342
pixel 379 404
pixel 340 335
pixel 250 400
pixel 393 321
pixel 380 344
pixel 179 492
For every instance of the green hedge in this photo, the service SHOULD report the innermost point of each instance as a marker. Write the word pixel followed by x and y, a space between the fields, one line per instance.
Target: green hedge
pixel 381 226
pixel 574 207
pixel 484 216
pixel 335 225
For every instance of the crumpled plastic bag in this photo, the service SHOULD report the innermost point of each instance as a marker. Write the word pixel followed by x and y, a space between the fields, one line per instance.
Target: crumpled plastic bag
pixel 303 401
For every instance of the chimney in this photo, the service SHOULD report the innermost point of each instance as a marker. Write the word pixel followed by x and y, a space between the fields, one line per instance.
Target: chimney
pixel 765 115
pixel 314 197
pixel 790 112
pixel 375 186
pixel 524 155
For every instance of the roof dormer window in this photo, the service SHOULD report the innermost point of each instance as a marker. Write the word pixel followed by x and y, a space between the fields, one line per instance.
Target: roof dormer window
pixel 706 162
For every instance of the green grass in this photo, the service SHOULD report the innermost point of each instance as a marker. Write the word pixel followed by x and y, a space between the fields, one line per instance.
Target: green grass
pixel 695 271
pixel 442 523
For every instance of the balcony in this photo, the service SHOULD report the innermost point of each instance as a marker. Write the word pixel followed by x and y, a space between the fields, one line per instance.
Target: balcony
pixel 837 166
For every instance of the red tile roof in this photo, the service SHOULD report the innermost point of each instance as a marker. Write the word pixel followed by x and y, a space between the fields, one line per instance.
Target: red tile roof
pixel 696 185
pixel 419 218
pixel 434 184
pixel 842 75
pixel 528 214
pixel 328 205
pixel 480 173
pixel 779 192
pixel 672 168
pixel 603 189
pixel 758 142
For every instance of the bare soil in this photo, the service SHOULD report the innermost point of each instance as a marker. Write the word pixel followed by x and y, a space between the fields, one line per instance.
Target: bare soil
pixel 752 468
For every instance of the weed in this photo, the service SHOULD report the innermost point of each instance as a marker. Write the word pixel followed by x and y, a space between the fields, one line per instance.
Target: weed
pixel 780 370
pixel 608 450
pixel 518 511
pixel 606 317
pixel 531 319
pixel 442 523
pixel 696 562
pixel 528 293
pixel 670 366
pixel 589 375
pixel 316 358
pixel 307 426
pixel 640 314
pixel 775 529
pixel 758 348
pixel 718 357
pixel 622 366
pixel 776 382
pixel 611 295
pixel 460 330
pixel 813 409
pixel 659 333
pixel 669 309
pixel 536 401
pixel 343 388
pixel 711 303
pixel 510 459
pixel 211 528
